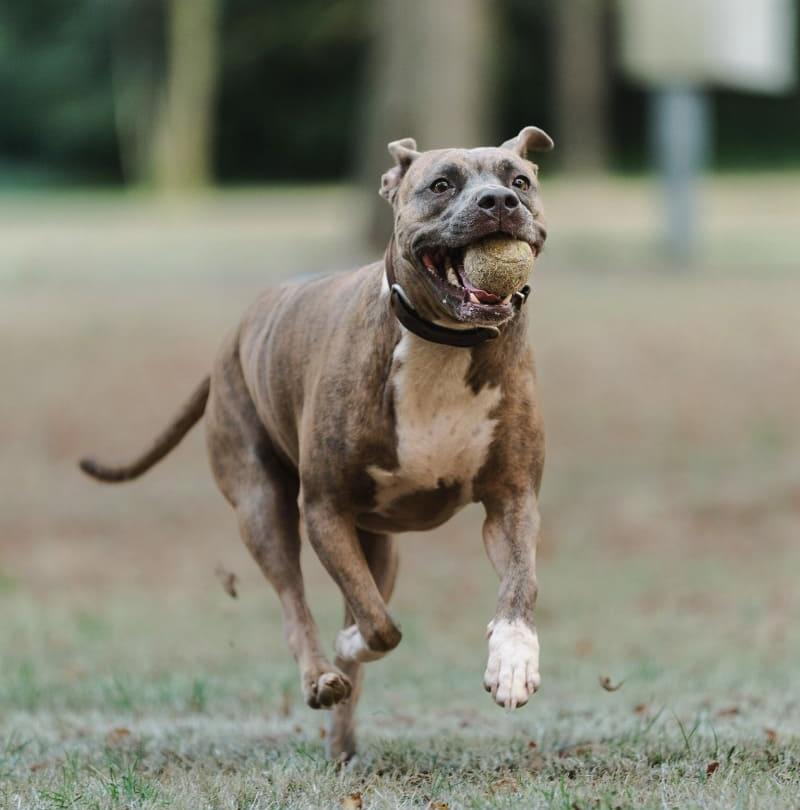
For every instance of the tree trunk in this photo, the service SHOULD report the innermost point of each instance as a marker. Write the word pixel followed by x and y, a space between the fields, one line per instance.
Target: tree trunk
pixel 183 138
pixel 429 76
pixel 582 82
pixel 137 60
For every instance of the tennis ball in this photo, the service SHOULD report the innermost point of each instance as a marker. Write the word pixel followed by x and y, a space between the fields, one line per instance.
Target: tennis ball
pixel 498 265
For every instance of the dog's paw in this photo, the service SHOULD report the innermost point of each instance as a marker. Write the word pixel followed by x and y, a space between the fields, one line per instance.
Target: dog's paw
pixel 512 672
pixel 350 646
pixel 325 688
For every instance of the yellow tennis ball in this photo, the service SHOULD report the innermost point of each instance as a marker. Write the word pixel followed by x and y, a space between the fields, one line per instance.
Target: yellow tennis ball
pixel 498 265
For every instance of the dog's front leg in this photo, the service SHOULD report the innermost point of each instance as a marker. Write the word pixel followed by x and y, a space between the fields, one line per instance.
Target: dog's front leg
pixel 510 534
pixel 334 537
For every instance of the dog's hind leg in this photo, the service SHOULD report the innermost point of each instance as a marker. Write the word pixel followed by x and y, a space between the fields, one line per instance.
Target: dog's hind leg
pixel 381 555
pixel 264 493
pixel 269 524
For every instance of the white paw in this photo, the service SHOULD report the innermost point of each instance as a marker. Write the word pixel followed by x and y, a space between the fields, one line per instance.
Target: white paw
pixel 512 672
pixel 350 646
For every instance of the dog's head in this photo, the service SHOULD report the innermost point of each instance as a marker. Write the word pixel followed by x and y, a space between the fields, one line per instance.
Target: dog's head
pixel 446 199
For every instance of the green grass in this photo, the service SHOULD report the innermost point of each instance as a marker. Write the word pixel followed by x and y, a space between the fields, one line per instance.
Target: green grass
pixel 197 705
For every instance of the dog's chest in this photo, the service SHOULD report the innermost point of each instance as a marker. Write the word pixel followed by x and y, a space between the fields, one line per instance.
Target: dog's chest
pixel 443 431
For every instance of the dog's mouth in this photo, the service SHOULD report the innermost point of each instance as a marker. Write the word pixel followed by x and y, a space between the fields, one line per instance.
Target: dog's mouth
pixel 446 265
pixel 444 268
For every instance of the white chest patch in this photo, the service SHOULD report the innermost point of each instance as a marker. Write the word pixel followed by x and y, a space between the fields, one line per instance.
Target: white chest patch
pixel 443 427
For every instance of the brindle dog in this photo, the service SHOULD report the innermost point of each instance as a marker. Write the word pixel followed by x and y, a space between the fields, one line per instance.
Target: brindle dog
pixel 325 413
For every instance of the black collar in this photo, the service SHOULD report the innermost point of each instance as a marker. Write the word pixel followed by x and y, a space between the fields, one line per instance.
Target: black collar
pixel 435 333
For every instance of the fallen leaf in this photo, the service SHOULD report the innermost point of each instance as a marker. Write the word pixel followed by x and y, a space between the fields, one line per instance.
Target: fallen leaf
pixel 37 766
pixel 772 735
pixel 228 581
pixel 605 682
pixel 640 708
pixel 729 711
pixel 352 802
pixel 578 749
pixel 537 763
pixel 322 732
pixel 432 805
pixel 117 735
pixel 711 768
pixel 505 783
pixel 185 761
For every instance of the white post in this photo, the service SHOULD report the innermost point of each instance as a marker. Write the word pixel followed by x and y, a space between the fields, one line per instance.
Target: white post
pixel 681 128
pixel 677 49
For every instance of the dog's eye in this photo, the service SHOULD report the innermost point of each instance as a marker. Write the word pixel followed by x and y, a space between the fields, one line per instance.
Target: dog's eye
pixel 440 185
pixel 521 182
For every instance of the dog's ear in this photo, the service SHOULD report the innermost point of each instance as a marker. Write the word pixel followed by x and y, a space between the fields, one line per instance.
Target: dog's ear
pixel 530 139
pixel 405 153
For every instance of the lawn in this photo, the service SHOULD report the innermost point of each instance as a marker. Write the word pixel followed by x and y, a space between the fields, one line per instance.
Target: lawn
pixel 129 678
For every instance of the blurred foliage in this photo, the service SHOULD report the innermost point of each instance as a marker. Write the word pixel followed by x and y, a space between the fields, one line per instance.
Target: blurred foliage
pixel 291 86
pixel 292 79
pixel 523 62
pixel 56 90
pixel 755 130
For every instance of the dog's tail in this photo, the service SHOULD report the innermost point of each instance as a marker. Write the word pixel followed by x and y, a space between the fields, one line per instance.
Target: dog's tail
pixel 189 415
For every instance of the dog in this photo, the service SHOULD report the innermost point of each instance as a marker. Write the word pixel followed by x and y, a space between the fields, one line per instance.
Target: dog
pixel 360 405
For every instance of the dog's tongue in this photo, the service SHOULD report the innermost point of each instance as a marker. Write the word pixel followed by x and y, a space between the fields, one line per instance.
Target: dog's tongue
pixel 482 296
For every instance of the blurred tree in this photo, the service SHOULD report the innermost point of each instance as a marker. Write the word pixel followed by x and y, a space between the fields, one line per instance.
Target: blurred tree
pixel 137 70
pixel 582 77
pixel 525 63
pixel 182 139
pixel 429 75
pixel 82 85
pixel 291 86
pixel 58 119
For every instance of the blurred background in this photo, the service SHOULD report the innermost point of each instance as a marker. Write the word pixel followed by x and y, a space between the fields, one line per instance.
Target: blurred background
pixel 161 161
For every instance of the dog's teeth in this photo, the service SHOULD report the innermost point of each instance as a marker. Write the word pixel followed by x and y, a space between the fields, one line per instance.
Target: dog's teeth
pixel 452 277
pixel 473 298
pixel 507 299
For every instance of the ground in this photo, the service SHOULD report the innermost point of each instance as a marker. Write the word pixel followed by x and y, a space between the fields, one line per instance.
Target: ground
pixel 671 507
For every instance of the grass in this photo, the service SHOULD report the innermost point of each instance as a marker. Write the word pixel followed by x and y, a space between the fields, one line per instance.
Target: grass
pixel 129 679
pixel 104 722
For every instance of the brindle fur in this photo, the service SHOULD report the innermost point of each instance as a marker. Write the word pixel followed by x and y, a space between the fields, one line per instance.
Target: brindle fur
pixel 302 406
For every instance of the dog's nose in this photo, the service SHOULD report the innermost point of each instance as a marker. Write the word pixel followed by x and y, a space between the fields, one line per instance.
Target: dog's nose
pixel 496 198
